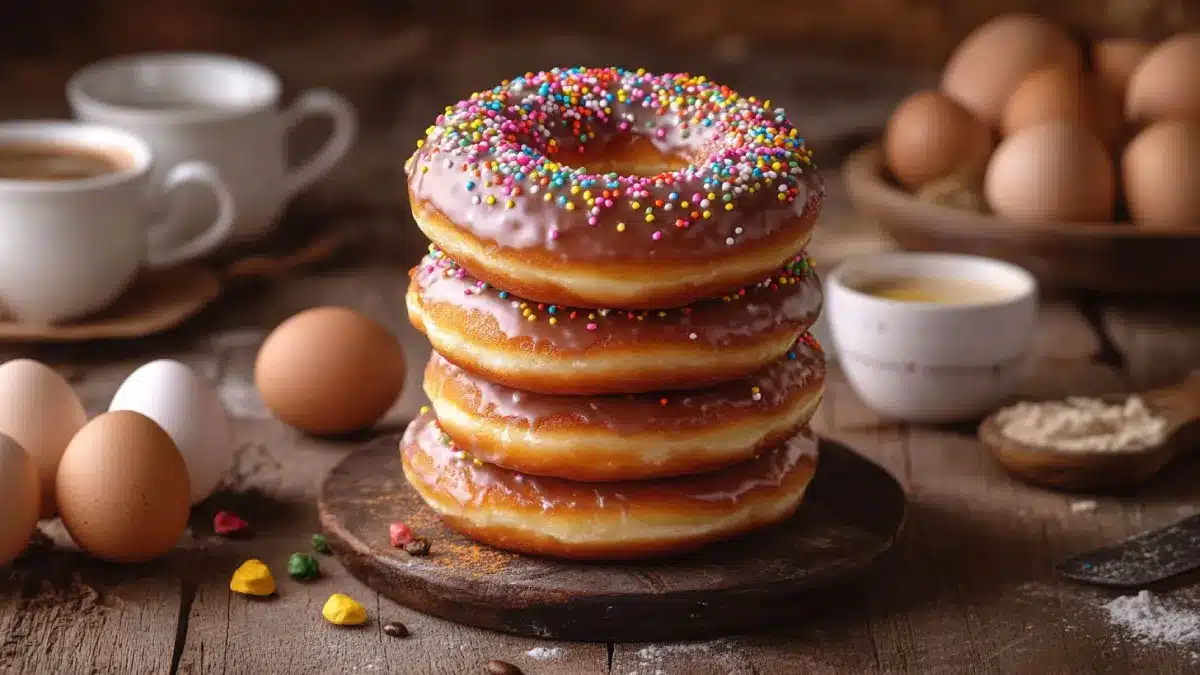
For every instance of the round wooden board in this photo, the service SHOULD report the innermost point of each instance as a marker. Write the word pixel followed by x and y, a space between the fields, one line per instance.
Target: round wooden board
pixel 847 525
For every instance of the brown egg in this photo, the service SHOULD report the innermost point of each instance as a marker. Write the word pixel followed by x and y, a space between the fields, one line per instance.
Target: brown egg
pixel 1114 61
pixel 1161 173
pixel 329 370
pixel 20 499
pixel 1068 95
pixel 931 137
pixel 41 413
pixel 1054 171
pixel 123 490
pixel 1166 84
pixel 989 64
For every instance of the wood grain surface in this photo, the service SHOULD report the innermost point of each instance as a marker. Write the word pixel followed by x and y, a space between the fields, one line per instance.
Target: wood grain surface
pixel 972 588
pixel 971 591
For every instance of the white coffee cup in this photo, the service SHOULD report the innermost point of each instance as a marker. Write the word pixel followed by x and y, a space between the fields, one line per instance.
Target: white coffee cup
pixel 70 247
pixel 222 110
pixel 927 362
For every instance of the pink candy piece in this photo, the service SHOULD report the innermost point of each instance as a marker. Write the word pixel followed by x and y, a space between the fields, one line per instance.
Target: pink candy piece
pixel 400 534
pixel 228 524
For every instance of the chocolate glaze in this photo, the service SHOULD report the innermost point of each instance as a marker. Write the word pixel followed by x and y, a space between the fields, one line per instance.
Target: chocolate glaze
pixel 744 318
pixel 431 459
pixel 448 176
pixel 765 392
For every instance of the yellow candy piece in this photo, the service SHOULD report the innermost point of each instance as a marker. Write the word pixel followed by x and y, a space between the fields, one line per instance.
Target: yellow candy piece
pixel 342 610
pixel 252 578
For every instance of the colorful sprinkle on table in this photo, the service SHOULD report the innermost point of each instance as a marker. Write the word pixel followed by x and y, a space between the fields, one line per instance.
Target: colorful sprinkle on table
pixel 342 610
pixel 400 534
pixel 320 544
pixel 253 577
pixel 228 524
pixel 303 566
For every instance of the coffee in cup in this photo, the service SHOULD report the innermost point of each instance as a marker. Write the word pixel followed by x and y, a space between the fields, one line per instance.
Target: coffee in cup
pixel 59 161
pixel 74 217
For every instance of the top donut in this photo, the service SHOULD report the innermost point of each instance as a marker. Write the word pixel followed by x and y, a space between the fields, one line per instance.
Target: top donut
pixel 606 187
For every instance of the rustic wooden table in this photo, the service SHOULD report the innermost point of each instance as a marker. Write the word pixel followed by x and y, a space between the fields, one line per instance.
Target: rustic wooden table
pixel 971 589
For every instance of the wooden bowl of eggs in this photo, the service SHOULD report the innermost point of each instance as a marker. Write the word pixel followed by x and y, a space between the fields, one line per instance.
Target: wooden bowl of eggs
pixel 1079 162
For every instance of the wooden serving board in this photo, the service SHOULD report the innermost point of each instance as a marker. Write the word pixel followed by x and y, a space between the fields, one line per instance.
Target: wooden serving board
pixel 847 525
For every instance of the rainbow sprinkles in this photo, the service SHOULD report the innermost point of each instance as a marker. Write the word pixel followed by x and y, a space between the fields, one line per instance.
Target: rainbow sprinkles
pixel 436 265
pixel 514 144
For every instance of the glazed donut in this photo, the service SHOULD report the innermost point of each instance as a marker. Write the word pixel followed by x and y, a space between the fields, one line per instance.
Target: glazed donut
pixel 605 187
pixel 563 350
pixel 554 517
pixel 632 437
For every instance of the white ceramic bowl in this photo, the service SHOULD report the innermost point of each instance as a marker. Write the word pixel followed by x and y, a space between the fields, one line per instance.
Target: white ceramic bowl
pixel 926 362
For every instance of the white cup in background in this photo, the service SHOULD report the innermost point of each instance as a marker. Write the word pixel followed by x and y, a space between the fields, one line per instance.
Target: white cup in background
pixel 69 245
pixel 222 110
pixel 927 362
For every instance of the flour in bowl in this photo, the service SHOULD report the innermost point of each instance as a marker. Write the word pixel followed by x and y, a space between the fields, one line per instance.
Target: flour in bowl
pixel 1081 424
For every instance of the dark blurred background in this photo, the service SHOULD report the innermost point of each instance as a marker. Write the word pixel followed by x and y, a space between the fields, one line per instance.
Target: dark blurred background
pixel 839 66
pixel 919 32
pixel 43 40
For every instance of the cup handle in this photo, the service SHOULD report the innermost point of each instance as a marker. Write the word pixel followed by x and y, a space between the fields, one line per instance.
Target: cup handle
pixel 158 253
pixel 345 130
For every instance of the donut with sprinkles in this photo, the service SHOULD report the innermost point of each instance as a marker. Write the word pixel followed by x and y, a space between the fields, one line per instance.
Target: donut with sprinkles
pixel 606 187
pixel 560 349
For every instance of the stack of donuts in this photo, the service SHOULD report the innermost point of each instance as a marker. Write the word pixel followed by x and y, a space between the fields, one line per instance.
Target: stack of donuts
pixel 618 299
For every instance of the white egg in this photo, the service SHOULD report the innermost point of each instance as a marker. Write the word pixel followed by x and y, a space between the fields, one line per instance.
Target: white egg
pixel 20 498
pixel 184 405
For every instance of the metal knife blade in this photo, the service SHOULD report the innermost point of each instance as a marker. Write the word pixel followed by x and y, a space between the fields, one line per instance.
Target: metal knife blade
pixel 1145 559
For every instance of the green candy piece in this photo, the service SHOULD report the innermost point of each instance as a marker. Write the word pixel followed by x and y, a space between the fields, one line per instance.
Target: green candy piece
pixel 303 566
pixel 320 544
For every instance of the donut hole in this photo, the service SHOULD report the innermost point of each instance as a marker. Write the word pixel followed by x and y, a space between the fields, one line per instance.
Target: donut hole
pixel 640 144
pixel 625 154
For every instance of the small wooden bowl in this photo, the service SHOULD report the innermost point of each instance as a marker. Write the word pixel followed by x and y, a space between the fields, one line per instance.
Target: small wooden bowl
pixel 1081 256
pixel 1178 405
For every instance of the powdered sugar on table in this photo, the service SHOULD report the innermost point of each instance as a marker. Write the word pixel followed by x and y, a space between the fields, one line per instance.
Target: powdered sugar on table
pixel 544 653
pixel 1152 620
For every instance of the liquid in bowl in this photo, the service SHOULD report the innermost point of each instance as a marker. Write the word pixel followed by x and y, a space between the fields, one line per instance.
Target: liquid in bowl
pixel 947 349
pixel 936 290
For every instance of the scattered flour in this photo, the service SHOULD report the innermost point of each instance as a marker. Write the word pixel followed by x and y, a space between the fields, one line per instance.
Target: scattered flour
pixel 544 653
pixel 659 652
pixel 1084 506
pixel 719 652
pixel 1152 620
